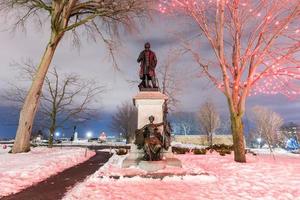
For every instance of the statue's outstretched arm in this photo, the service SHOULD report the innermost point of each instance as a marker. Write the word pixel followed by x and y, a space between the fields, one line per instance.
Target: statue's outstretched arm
pixel 159 124
pixel 141 129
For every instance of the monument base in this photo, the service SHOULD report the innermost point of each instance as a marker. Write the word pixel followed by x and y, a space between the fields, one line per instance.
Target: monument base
pixel 149 89
pixel 134 156
pixel 166 154
pixel 135 159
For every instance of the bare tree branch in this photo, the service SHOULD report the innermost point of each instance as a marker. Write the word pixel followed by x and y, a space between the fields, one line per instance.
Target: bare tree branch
pixel 254 56
pixel 267 124
pixel 64 98
pixel 124 121
pixel 209 119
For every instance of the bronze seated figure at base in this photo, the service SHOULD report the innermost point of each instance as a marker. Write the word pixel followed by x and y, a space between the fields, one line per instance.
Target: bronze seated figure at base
pixel 151 140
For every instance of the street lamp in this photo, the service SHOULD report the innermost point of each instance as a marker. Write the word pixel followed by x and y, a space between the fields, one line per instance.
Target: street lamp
pixel 57 134
pixel 120 138
pixel 89 134
pixel 259 142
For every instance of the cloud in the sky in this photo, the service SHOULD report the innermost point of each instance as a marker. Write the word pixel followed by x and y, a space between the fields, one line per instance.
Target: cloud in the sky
pixel 92 62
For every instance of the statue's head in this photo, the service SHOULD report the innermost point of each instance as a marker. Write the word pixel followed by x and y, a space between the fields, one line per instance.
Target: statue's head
pixel 151 118
pixel 147 45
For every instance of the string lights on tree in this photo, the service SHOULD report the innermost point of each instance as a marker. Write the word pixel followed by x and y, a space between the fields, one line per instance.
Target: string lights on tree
pixel 256 47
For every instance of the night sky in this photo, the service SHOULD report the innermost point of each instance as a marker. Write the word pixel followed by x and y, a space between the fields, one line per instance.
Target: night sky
pixel 92 61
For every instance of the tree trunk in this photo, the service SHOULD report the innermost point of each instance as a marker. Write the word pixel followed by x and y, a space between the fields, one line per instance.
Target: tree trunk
pixel 27 115
pixel 237 129
pixel 51 136
pixel 208 139
pixel 52 128
pixel 211 141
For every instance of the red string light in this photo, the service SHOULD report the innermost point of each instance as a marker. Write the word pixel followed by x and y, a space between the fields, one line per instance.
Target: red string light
pixel 278 71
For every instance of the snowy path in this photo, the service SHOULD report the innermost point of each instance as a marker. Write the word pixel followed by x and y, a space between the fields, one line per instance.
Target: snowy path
pixel 261 177
pixel 19 171
pixel 56 186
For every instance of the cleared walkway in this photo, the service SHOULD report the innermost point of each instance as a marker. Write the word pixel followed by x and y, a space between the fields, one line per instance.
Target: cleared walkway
pixel 56 186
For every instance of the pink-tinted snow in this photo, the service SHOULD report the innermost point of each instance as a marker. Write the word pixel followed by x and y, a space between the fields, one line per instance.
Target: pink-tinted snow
pixel 261 177
pixel 18 171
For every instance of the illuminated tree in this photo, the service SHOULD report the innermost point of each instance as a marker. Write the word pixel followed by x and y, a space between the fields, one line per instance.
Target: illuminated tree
pixel 101 17
pixel 255 49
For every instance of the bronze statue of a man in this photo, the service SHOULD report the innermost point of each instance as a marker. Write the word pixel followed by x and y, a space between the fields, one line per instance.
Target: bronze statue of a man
pixel 148 61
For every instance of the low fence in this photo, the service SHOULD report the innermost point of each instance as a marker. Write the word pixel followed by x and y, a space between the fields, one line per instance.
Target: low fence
pixel 202 139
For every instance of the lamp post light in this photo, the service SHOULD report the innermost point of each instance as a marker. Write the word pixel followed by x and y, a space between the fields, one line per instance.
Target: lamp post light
pixel 259 142
pixel 88 135
pixel 120 138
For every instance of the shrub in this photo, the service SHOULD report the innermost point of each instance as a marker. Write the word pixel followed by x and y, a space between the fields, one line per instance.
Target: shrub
pixel 226 151
pixel 220 147
pixel 199 151
pixel 222 153
pixel 34 145
pixel 180 150
pixel 122 151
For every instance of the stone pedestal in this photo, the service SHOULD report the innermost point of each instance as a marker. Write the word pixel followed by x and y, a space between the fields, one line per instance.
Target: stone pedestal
pixel 149 103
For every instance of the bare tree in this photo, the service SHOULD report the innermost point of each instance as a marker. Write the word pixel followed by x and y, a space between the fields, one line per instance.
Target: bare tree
pixel 268 124
pixel 125 121
pixel 209 119
pixel 64 97
pixel 67 16
pixel 185 122
pixel 172 80
pixel 247 56
pixel 224 128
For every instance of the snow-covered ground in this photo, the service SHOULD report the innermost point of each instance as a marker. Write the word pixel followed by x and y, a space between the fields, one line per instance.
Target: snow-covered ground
pixel 18 171
pixel 219 177
pixel 275 151
pixel 94 143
